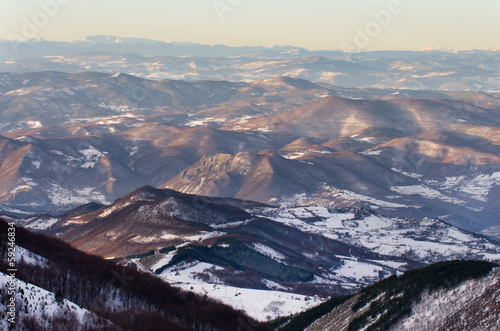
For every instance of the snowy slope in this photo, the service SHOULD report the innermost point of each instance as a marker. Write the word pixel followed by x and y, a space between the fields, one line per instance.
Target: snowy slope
pixel 36 303
pixel 452 295
pixel 474 305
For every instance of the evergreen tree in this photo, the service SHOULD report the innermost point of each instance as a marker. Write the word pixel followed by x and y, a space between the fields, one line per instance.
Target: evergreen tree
pixel 59 297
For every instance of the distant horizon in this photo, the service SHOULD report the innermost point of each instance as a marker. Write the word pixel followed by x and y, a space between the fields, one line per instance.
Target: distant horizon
pixel 372 25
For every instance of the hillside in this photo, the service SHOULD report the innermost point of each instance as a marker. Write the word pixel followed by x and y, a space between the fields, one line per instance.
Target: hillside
pixel 98 293
pixel 457 295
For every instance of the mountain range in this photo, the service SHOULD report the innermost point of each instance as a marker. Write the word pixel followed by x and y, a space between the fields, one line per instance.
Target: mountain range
pixel 158 185
pixel 419 154
pixel 269 262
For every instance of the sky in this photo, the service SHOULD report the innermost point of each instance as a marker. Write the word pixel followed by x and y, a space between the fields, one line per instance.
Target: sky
pixel 313 24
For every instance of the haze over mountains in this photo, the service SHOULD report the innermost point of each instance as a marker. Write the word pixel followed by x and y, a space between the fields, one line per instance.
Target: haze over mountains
pixel 475 70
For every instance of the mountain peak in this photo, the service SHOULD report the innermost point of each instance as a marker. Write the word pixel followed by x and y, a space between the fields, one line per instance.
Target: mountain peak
pixel 149 193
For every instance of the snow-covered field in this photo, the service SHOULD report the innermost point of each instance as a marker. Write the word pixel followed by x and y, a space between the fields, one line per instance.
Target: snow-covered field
pixel 425 192
pixel 262 305
pixel 424 240
pixel 42 224
pixel 335 194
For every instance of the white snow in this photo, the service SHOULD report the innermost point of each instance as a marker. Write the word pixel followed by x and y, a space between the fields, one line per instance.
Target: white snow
pixel 60 196
pixel 477 187
pixel 29 257
pixel 262 305
pixel 292 200
pixel 459 235
pixel 205 121
pixel 92 156
pixel 34 124
pixel 372 152
pixel 108 211
pixel 364 139
pixel 163 261
pixel 229 224
pixel 349 195
pixel 426 192
pixel 37 164
pixel 391 264
pixel 20 188
pixel 409 174
pixel 268 251
pixel 299 154
pixel 359 271
pixel 114 107
pixel 42 224
pixel 430 240
pixel 168 236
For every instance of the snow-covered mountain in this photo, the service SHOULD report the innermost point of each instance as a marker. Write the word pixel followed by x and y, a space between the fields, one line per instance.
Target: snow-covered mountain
pixel 473 304
pixel 260 260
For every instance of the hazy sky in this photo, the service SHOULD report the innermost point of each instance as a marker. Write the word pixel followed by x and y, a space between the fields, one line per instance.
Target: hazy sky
pixel 313 24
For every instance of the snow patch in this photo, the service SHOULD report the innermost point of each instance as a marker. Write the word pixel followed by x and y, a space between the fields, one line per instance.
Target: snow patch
pixel 268 251
pixel 92 157
pixel 426 192
pixel 60 196
pixel 42 224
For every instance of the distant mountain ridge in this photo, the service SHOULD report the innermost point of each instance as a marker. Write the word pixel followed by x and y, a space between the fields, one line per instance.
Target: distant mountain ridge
pixel 140 46
pixel 417 70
